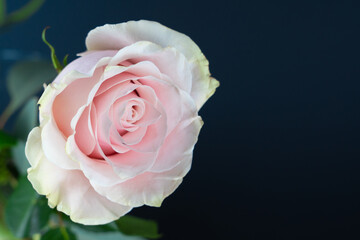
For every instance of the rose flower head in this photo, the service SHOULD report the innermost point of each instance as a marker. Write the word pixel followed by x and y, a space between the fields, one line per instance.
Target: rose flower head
pixel 118 125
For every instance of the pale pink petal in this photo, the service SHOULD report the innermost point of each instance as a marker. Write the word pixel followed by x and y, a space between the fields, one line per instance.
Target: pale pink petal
pixel 169 97
pixel 96 170
pixel 131 163
pixel 147 188
pixel 75 95
pixel 178 145
pixel 126 165
pixel 83 135
pixel 149 115
pixel 131 138
pixel 87 64
pixel 118 36
pixel 114 75
pixel 153 138
pixel 168 60
pixel 69 190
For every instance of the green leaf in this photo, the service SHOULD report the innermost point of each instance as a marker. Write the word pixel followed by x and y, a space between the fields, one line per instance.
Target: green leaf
pixel 131 225
pixel 111 227
pixel 40 216
pixel 65 60
pixel 19 207
pixel 5 175
pixel 82 234
pixel 23 13
pixel 5 234
pixel 6 140
pixel 27 119
pixel 59 234
pixel 19 158
pixel 25 79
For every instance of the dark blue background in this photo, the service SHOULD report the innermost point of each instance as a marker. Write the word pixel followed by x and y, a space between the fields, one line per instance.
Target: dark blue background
pixel 278 156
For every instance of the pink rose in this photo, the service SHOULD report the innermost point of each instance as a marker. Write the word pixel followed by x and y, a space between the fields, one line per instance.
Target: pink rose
pixel 119 124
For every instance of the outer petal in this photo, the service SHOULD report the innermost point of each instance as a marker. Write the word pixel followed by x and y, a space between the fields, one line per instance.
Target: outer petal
pixel 85 65
pixel 80 68
pixel 118 36
pixel 69 190
pixel 54 143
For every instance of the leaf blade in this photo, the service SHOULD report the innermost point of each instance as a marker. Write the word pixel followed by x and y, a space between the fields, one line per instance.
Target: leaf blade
pixel 27 119
pixel 6 140
pixel 57 234
pixel 23 13
pixel 135 226
pixel 25 79
pixel 19 207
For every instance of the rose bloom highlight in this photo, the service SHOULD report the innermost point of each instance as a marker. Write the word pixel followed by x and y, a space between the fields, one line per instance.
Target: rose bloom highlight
pixel 118 125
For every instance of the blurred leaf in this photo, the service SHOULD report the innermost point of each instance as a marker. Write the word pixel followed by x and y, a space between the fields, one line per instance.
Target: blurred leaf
pixel 27 119
pixel 23 13
pixel 2 11
pixel 111 227
pixel 58 234
pixel 40 216
pixel 82 234
pixel 5 174
pixel 25 79
pixel 131 225
pixel 19 207
pixel 19 158
pixel 5 234
pixel 55 61
pixel 6 140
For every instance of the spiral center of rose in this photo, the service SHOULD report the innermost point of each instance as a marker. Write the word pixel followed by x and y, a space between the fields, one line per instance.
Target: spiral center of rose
pixel 126 114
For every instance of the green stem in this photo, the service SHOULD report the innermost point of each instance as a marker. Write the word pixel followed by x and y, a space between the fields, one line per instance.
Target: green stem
pixel 64 233
pixel 23 13
pixel 5 115
pixel 63 228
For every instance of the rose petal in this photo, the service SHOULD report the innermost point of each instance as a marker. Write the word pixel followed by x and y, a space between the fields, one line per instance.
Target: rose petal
pixel 169 98
pixel 67 189
pixel 118 36
pixel 178 145
pixel 95 170
pixel 83 135
pixel 86 65
pixel 67 103
pixel 130 164
pixel 168 60
pixel 54 146
pixel 147 188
